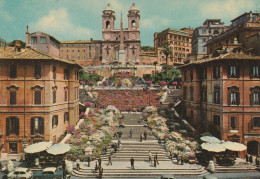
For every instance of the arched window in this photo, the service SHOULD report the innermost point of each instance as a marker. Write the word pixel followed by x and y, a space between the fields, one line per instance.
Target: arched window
pixel 255 95
pixel 233 95
pixel 37 94
pixel 55 121
pixel 107 24
pixel 133 24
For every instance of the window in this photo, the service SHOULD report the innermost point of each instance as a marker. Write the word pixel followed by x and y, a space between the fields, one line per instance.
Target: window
pixel 43 40
pixel 67 50
pixel 256 121
pixel 204 31
pixel 89 54
pixel 255 72
pixel 52 42
pixel 78 50
pixel 55 121
pixel 34 40
pixel 191 93
pixel 12 126
pixel 191 75
pixel 66 74
pixel 37 125
pixel 133 24
pixel 216 120
pixel 204 94
pixel 54 72
pixel 66 96
pixel 204 73
pixel 13 71
pixel 233 95
pixel 233 122
pixel 66 117
pixel 84 50
pixel 255 95
pixel 78 57
pixel 37 97
pixel 184 75
pixel 84 57
pixel 216 72
pixel 54 96
pixel 233 72
pixel 217 95
pixel 72 50
pixel 107 24
pixel 12 97
pixel 37 71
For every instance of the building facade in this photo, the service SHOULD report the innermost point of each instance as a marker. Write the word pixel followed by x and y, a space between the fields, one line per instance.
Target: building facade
pixel 242 27
pixel 209 29
pixel 111 36
pixel 222 95
pixel 83 52
pixel 179 42
pixel 39 97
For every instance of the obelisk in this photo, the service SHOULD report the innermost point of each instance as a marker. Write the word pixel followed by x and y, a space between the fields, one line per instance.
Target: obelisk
pixel 121 53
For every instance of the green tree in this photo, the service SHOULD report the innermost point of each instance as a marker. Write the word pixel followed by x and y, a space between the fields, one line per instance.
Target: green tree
pixel 166 51
pixel 173 74
pixel 3 42
pixel 12 44
pixel 84 76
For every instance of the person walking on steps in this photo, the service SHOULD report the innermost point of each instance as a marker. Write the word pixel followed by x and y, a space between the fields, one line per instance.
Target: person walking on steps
pixel 88 161
pixel 109 160
pixel 78 164
pixel 154 161
pixel 132 161
pixel 145 135
pixel 131 133
pixel 156 158
pixel 99 162
pixel 150 156
pixel 96 167
pixel 141 137
pixel 100 172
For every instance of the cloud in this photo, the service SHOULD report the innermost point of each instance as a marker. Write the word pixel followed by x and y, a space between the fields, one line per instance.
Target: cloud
pixel 58 24
pixel 154 21
pixel 225 9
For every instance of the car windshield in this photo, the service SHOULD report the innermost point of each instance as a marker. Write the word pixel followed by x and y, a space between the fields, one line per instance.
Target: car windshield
pixel 16 173
pixel 48 172
pixel 22 173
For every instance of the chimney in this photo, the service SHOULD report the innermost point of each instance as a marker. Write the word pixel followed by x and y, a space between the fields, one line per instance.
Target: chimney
pixel 27 36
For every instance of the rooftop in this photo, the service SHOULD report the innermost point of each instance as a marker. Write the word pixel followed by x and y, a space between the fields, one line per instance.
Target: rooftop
pixel 28 53
pixel 80 41
pixel 176 31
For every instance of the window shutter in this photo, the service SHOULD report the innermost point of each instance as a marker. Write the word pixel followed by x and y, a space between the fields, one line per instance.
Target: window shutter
pixel 42 125
pixel 238 98
pixel 32 126
pixel 238 71
pixel 251 72
pixel 251 99
pixel 13 97
pixel 37 97
pixel 7 126
pixel 228 71
pixel 229 98
pixel 16 126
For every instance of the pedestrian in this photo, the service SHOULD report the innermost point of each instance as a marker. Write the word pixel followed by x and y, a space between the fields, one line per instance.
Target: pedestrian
pixel 132 161
pixel 131 133
pixel 141 137
pixel 115 148
pixel 78 164
pixel 119 143
pixel 150 156
pixel 156 158
pixel 100 172
pixel 251 159
pixel 109 160
pixel 211 167
pixel 256 161
pixel 178 159
pixel 99 162
pixel 64 168
pixel 183 160
pixel 115 134
pixel 129 110
pixel 119 134
pixel 88 161
pixel 154 161
pixel 145 135
pixel 246 157
pixel 96 167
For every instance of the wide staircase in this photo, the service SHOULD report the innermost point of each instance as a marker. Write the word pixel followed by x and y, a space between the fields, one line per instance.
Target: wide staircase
pixel 132 147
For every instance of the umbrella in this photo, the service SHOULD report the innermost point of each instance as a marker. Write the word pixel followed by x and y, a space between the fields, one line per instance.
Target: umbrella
pixel 60 148
pixel 213 147
pixel 37 147
pixel 210 139
pixel 234 146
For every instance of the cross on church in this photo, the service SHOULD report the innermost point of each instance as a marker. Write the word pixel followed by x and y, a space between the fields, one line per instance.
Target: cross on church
pixel 107 49
pixel 133 49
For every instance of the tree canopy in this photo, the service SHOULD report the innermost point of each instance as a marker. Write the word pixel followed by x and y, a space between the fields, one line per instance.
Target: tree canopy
pixel 85 76
pixel 173 74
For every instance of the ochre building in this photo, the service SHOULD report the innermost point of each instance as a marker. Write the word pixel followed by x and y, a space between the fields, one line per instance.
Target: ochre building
pixel 39 97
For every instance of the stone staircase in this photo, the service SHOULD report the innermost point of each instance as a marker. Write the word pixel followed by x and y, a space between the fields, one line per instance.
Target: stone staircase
pixel 132 147
pixel 235 168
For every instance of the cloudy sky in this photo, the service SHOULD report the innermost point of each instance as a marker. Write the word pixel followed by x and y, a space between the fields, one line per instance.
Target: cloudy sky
pixel 81 19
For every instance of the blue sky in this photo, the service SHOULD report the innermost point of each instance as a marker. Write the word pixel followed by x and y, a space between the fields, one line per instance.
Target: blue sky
pixel 81 19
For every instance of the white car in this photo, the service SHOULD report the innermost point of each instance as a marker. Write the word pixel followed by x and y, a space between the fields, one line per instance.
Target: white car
pixel 20 173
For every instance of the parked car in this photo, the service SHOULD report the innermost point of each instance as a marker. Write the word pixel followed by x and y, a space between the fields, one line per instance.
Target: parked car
pixel 20 173
pixel 49 173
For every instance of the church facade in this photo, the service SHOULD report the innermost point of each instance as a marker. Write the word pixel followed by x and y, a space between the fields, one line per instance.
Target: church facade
pixel 111 36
